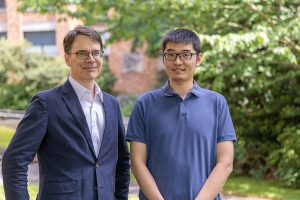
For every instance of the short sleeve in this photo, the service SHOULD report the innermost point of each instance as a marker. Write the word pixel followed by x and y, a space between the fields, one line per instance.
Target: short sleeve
pixel 225 128
pixel 136 124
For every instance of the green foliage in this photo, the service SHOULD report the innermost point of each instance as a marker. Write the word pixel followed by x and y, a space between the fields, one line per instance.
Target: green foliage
pixel 251 55
pixel 257 69
pixel 287 158
pixel 126 104
pixel 106 79
pixel 22 74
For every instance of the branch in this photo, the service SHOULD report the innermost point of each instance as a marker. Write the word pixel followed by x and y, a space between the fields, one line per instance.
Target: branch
pixel 255 8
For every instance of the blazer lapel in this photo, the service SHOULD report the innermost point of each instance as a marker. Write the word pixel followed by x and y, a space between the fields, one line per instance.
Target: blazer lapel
pixel 70 98
pixel 108 125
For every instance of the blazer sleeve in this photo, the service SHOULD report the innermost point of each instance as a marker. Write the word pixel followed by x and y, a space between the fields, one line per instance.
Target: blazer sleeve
pixel 122 178
pixel 22 149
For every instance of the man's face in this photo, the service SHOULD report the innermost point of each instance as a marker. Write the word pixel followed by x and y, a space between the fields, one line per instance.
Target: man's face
pixel 181 70
pixel 84 69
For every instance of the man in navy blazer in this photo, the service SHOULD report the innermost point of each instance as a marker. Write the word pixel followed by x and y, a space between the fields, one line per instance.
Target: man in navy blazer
pixel 77 132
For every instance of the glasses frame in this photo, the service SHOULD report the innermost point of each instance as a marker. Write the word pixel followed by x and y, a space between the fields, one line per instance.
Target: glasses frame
pixel 179 55
pixel 89 52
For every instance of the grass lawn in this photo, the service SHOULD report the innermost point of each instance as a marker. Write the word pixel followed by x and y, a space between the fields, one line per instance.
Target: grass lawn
pixel 5 136
pixel 245 186
pixel 32 189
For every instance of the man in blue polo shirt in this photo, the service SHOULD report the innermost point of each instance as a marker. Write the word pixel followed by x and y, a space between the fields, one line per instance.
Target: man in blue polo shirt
pixel 181 135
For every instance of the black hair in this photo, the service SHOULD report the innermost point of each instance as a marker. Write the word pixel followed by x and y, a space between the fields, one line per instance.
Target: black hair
pixel 182 35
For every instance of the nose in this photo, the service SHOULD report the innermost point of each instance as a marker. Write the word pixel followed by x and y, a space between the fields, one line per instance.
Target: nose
pixel 90 57
pixel 177 59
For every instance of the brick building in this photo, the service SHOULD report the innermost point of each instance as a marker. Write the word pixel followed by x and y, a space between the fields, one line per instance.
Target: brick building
pixel 135 72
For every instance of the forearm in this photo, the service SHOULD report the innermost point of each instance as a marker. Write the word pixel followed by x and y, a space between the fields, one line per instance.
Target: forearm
pixel 220 173
pixel 146 182
pixel 215 182
pixel 14 178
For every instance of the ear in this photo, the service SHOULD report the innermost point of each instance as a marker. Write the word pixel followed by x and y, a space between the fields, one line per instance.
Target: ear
pixel 199 59
pixel 67 57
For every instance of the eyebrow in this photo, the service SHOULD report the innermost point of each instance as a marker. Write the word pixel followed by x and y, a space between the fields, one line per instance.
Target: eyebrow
pixel 185 50
pixel 88 51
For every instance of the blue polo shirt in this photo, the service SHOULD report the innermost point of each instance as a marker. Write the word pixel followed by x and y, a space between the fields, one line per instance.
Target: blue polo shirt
pixel 181 137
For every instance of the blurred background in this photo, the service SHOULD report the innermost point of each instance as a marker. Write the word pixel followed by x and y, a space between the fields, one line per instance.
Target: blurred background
pixel 251 54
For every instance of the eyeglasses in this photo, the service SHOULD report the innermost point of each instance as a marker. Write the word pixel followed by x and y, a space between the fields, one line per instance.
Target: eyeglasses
pixel 82 54
pixel 182 56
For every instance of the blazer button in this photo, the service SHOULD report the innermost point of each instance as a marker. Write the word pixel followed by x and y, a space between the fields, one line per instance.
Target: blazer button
pixel 96 188
pixel 97 165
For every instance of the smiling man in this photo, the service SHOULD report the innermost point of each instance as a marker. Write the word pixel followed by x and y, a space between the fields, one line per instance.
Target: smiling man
pixel 181 135
pixel 77 132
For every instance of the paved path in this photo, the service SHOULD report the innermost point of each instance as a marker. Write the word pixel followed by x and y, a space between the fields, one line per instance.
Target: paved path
pixel 10 123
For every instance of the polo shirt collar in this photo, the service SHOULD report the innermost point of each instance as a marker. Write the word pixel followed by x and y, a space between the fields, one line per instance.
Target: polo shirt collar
pixel 168 91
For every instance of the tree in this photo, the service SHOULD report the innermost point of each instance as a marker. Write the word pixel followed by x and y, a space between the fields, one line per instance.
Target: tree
pixel 251 51
pixel 257 68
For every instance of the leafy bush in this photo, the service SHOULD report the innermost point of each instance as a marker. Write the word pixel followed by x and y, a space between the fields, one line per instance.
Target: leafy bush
pixel 22 74
pixel 261 80
pixel 106 79
pixel 287 158
pixel 126 104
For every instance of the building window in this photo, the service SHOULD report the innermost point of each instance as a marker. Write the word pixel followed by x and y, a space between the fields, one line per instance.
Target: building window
pixel 2 4
pixel 42 41
pixel 132 62
pixel 2 35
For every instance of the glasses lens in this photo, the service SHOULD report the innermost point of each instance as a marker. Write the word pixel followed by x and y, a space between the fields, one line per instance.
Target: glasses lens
pixel 82 54
pixel 170 56
pixel 185 56
pixel 96 54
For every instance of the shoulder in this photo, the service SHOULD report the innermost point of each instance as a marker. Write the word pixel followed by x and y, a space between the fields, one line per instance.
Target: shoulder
pixel 150 96
pixel 109 97
pixel 212 95
pixel 49 94
pixel 110 100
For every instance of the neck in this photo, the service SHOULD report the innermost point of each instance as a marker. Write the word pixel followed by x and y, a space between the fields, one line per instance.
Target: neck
pixel 181 88
pixel 89 84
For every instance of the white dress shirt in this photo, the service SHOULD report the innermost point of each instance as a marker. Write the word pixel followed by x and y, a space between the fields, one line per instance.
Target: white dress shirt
pixel 93 111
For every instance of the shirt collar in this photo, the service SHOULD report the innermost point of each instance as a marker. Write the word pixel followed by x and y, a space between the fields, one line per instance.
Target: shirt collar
pixel 168 91
pixel 80 90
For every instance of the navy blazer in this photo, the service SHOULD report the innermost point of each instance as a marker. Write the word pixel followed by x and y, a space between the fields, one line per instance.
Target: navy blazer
pixel 54 127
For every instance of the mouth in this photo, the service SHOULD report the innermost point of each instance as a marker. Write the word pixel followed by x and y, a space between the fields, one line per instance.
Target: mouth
pixel 90 67
pixel 177 69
